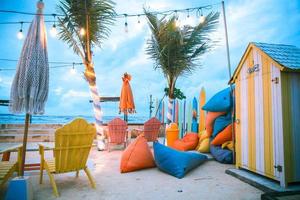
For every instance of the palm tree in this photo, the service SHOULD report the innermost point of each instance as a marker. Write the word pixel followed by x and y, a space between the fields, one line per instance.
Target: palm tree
pixel 83 25
pixel 176 51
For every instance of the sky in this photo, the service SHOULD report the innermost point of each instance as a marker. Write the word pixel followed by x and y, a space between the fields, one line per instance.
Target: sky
pixel 270 21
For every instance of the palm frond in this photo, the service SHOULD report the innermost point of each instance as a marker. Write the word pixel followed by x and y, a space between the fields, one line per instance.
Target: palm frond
pixel 68 37
pixel 101 15
pixel 177 51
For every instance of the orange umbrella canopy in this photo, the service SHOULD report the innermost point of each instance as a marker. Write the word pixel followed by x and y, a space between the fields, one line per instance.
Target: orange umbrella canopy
pixel 126 99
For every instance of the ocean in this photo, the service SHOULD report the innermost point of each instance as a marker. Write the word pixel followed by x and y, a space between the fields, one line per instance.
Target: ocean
pixel 52 119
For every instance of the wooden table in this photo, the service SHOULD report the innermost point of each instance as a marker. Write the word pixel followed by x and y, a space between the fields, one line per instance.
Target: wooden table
pixel 7 148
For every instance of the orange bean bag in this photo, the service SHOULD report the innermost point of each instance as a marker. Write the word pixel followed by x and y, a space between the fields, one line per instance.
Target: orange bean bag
pixel 137 156
pixel 188 142
pixel 209 121
pixel 223 136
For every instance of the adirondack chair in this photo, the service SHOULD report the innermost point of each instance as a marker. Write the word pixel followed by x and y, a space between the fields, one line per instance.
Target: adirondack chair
pixel 151 129
pixel 7 168
pixel 73 143
pixel 117 133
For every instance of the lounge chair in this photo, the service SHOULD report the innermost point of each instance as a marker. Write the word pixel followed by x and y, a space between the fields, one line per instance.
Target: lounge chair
pixel 73 143
pixel 117 132
pixel 7 168
pixel 151 129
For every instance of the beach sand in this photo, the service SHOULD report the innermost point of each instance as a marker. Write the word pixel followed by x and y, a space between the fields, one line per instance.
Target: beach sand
pixel 208 181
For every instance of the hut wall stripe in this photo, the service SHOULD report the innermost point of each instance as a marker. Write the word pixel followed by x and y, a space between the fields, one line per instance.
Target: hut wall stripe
pixel 268 144
pixel 238 125
pixel 244 117
pixel 295 85
pixel 259 115
pixel 251 117
pixel 286 125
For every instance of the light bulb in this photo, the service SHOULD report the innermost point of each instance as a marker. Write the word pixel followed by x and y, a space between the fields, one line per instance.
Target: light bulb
pixel 82 32
pixel 202 19
pixel 53 31
pixel 73 71
pixel 177 23
pixel 188 21
pixel 20 35
pixel 126 27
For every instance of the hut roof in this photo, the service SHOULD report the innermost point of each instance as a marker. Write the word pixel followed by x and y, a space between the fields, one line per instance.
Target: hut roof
pixel 287 56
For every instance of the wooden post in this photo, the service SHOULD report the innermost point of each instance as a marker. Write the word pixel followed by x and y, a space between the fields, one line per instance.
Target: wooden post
pixel 24 143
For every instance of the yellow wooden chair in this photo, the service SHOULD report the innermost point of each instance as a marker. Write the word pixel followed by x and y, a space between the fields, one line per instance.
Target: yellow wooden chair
pixel 73 143
pixel 7 168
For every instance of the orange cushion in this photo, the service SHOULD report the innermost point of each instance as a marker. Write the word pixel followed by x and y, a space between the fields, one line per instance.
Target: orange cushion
pixel 188 142
pixel 223 136
pixel 209 121
pixel 137 156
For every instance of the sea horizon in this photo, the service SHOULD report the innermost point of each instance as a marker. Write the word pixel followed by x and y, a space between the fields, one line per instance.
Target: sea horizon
pixel 63 119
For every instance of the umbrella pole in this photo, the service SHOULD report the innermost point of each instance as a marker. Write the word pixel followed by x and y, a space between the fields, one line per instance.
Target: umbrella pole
pixel 25 143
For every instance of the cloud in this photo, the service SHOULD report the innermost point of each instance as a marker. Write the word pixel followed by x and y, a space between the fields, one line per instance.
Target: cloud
pixel 72 94
pixel 58 90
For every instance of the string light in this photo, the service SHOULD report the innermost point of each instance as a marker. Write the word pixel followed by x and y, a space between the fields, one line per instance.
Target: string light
pixel 73 70
pixel 202 18
pixel 53 31
pixel 82 32
pixel 139 21
pixel 20 34
pixel 177 21
pixel 126 24
pixel 188 20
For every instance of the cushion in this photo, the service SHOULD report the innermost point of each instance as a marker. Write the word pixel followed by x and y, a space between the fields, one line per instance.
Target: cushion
pixel 176 163
pixel 203 146
pixel 228 145
pixel 188 142
pixel 204 136
pixel 209 121
pixel 223 136
pixel 220 102
pixel 221 122
pixel 137 156
pixel 222 155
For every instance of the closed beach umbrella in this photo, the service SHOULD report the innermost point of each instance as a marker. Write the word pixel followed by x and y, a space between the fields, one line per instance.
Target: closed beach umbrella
pixel 29 90
pixel 126 99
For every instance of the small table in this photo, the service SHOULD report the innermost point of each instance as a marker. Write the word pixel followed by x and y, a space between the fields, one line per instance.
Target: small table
pixel 7 148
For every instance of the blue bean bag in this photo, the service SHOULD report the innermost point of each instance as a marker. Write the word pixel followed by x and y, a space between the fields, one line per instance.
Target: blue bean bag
pixel 220 123
pixel 220 102
pixel 176 163
pixel 222 155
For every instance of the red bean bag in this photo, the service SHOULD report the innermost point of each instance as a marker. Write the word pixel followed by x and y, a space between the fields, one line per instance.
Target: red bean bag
pixel 137 156
pixel 209 121
pixel 223 136
pixel 188 142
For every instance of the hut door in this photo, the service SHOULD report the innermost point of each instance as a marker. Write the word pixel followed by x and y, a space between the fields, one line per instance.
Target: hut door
pixel 277 123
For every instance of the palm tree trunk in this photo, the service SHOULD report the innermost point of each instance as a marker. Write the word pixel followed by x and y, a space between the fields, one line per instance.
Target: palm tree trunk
pixel 91 78
pixel 171 101
pixel 170 111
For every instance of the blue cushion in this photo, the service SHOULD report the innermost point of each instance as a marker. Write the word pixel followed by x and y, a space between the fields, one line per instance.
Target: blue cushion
pixel 221 155
pixel 176 163
pixel 221 123
pixel 220 102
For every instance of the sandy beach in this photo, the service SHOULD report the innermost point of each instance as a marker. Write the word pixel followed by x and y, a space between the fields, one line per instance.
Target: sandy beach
pixel 207 181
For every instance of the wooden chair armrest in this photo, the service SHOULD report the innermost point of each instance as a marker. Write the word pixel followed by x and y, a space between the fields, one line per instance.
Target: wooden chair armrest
pixel 19 162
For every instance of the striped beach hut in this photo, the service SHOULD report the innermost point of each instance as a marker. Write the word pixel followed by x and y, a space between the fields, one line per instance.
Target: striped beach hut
pixel 267 91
